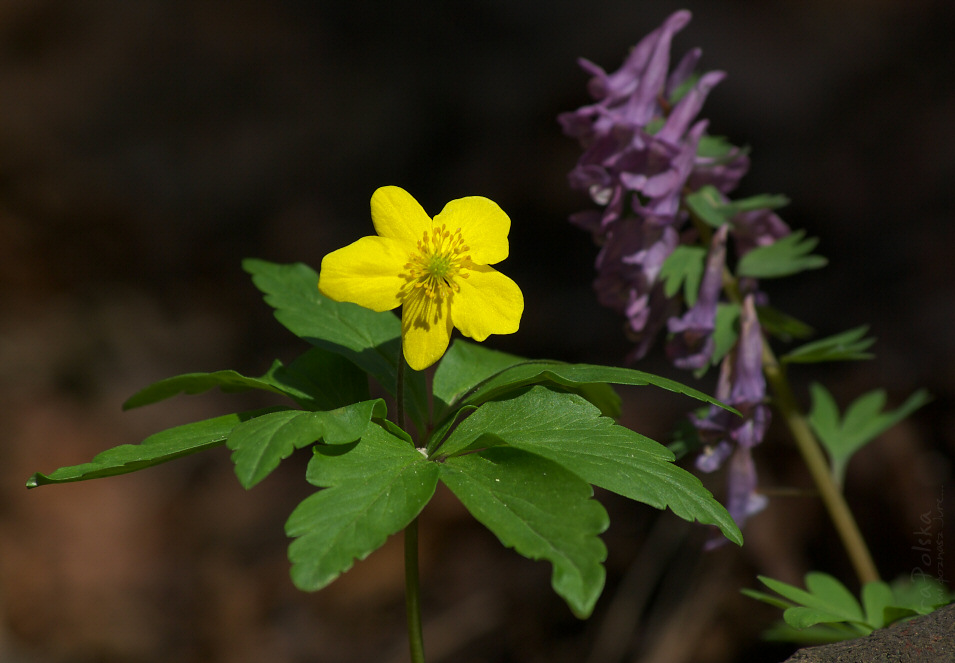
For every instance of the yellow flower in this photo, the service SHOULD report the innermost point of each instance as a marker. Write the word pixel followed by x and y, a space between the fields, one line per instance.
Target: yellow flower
pixel 436 270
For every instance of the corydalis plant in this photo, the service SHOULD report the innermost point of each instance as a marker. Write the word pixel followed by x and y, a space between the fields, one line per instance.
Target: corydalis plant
pixel 647 159
pixel 520 442
pixel 679 258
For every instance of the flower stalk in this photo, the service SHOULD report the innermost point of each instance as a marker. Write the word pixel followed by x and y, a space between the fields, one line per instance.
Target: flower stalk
pixel 412 575
pixel 413 593
pixel 818 467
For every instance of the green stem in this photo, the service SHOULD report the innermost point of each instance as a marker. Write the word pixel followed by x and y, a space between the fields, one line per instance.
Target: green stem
pixel 413 593
pixel 400 390
pixel 815 460
pixel 412 582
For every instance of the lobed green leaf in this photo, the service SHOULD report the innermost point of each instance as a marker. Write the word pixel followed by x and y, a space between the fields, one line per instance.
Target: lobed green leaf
pixel 541 510
pixel 259 445
pixel 706 203
pixel 572 377
pixel 684 268
pixel 372 489
pixel 828 612
pixel 570 431
pixel 864 421
pixel 849 345
pixel 786 256
pixel 158 448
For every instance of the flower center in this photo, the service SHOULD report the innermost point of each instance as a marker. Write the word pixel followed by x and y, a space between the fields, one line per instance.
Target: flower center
pixel 440 259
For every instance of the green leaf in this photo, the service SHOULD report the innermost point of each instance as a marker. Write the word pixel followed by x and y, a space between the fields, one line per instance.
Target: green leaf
pixel 920 593
pixel 440 434
pixel 770 599
pixel 725 331
pixel 709 205
pixel 568 430
pixel 864 421
pixel 827 600
pixel 572 377
pixel 541 510
pixel 684 267
pixel 786 256
pixel 876 597
pixel 318 380
pixel 373 489
pixel 828 612
pixel 259 445
pixel 782 325
pixel 706 203
pixel 466 367
pixel 155 449
pixel 370 340
pixel 321 380
pixel 834 595
pixel 753 203
pixel 196 383
pixel 718 148
pixel 801 617
pixel 849 345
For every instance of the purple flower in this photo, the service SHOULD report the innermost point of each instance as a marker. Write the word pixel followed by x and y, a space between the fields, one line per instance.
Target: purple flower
pixel 742 500
pixel 726 435
pixel 628 266
pixel 691 345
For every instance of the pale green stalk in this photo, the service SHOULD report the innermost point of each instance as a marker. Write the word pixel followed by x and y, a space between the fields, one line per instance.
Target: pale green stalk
pixel 818 466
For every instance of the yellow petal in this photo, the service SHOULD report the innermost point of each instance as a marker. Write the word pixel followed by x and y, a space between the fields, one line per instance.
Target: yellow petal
pixel 487 303
pixel 425 329
pixel 397 215
pixel 484 227
pixel 366 272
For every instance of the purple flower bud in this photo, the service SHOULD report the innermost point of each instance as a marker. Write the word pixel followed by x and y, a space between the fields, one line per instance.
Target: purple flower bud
pixel 712 458
pixel 749 383
pixel 757 228
pixel 689 107
pixel 742 500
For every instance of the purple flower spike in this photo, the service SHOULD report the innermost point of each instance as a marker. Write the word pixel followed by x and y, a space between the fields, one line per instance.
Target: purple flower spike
pixel 645 151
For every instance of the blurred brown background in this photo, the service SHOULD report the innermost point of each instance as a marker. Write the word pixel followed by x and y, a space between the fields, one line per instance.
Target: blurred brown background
pixel 146 147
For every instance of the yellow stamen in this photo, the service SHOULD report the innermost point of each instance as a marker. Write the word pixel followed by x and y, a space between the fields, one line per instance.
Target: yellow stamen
pixel 441 258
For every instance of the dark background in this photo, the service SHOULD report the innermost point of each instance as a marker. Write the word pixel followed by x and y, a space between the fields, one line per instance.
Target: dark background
pixel 147 147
